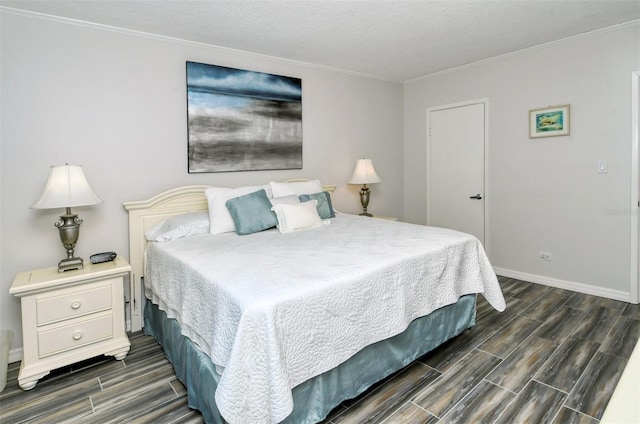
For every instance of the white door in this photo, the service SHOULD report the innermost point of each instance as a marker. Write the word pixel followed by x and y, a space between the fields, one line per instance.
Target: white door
pixel 456 167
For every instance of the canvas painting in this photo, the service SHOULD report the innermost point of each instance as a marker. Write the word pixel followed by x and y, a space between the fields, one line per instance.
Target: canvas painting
pixel 241 120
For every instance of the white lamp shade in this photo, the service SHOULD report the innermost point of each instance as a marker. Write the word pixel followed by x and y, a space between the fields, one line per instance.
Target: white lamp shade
pixel 364 173
pixel 67 187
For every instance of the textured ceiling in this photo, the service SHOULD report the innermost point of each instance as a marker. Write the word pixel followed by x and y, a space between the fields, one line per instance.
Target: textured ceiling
pixel 394 40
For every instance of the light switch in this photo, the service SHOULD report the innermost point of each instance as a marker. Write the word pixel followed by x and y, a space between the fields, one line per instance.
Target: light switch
pixel 602 166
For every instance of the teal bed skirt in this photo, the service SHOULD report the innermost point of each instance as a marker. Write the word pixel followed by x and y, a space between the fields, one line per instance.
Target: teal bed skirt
pixel 315 398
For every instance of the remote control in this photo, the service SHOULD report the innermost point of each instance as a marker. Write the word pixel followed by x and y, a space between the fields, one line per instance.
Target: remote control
pixel 103 257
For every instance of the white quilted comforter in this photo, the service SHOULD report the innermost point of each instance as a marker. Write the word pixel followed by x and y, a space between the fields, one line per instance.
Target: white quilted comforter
pixel 277 309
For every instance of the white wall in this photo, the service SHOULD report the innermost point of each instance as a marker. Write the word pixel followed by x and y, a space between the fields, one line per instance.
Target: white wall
pixel 546 194
pixel 115 102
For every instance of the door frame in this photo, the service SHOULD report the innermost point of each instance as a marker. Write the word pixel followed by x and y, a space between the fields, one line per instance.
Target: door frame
pixel 486 197
pixel 634 205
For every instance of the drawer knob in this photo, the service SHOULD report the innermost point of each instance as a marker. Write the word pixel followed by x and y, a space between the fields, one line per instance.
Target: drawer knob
pixel 77 335
pixel 76 305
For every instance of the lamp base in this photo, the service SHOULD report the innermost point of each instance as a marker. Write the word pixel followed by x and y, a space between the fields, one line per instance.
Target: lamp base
pixel 364 199
pixel 69 228
pixel 70 264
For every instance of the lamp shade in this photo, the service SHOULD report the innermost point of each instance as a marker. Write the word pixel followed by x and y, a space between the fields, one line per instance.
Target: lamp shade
pixel 364 173
pixel 67 187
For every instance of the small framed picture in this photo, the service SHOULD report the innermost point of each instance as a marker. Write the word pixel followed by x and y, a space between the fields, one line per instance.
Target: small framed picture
pixel 549 122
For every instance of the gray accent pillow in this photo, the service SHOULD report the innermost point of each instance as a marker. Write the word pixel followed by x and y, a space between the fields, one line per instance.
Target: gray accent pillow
pixel 325 208
pixel 252 212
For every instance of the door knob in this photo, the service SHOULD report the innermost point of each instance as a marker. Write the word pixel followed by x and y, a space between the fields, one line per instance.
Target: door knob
pixel 477 196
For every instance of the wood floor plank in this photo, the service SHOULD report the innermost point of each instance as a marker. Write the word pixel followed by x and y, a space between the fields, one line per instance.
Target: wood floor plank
pixel 532 293
pixel 193 418
pixel 178 387
pixel 482 307
pixel 38 406
pixel 595 387
pixel 118 393
pixel 544 306
pixel 622 338
pixel 565 367
pixel 13 394
pixel 70 412
pixel 521 365
pixel 631 311
pixel 447 355
pixel 511 287
pixel 132 405
pixel 536 403
pixel 141 347
pixel 506 339
pixel 596 324
pixel 410 413
pixel 496 320
pixel 152 362
pixel 560 323
pixel 442 395
pixel 174 410
pixel 569 416
pixel 483 404
pixel 587 302
pixel 389 397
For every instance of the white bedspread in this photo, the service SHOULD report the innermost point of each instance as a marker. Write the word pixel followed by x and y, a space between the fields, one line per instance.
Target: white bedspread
pixel 277 309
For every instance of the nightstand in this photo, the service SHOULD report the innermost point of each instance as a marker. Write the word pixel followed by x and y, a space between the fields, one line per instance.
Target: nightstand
pixel 71 316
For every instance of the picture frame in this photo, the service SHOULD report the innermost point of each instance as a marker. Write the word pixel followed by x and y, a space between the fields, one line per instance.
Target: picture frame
pixel 551 121
pixel 242 120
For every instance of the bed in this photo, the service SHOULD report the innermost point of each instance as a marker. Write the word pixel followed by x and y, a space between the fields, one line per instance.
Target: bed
pixel 282 326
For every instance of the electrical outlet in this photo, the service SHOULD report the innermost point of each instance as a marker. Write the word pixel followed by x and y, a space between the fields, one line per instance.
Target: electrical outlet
pixel 546 256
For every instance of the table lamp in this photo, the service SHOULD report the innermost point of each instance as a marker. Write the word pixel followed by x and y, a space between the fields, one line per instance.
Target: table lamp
pixel 364 174
pixel 67 187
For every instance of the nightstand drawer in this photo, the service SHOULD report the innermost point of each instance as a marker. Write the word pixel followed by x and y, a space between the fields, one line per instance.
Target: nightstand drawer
pixel 75 335
pixel 73 303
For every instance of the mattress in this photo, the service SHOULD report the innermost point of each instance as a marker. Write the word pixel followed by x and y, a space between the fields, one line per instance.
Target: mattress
pixel 274 310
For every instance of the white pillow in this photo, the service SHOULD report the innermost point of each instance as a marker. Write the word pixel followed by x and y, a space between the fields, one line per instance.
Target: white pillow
pixel 185 225
pixel 297 217
pixel 286 200
pixel 296 187
pixel 220 220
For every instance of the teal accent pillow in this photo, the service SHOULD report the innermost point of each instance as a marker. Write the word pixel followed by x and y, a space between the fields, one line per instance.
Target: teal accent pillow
pixel 252 212
pixel 325 208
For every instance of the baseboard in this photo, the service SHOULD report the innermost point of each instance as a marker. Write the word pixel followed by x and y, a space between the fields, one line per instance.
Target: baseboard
pixel 566 285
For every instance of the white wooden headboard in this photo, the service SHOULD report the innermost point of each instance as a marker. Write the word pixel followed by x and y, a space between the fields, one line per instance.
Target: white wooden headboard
pixel 144 215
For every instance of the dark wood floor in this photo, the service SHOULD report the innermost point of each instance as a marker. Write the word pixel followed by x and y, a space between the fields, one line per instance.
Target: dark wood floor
pixel 553 356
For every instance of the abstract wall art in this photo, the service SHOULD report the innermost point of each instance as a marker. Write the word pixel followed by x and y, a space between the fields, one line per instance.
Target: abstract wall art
pixel 241 120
